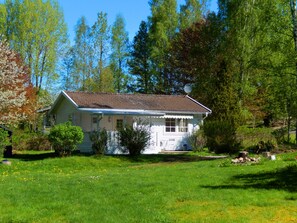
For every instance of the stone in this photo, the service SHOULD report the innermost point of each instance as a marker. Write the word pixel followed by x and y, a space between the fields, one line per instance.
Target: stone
pixel 6 162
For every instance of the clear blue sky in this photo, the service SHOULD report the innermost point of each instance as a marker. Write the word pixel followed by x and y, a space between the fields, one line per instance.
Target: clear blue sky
pixel 134 11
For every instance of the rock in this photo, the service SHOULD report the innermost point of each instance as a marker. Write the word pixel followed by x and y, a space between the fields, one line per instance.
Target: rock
pixel 6 162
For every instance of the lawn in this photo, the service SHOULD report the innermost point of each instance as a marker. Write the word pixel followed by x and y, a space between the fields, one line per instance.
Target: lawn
pixel 42 188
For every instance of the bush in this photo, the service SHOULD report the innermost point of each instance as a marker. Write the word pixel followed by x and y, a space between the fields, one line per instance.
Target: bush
pixel 4 140
pixel 99 141
pixel 65 137
pixel 134 139
pixel 22 140
pixel 221 136
pixel 197 141
pixel 280 135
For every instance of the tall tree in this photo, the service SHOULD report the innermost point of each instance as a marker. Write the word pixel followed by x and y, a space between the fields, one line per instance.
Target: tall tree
pixel 100 41
pixel 163 27
pixel 83 56
pixel 139 61
pixel 67 70
pixel 120 52
pixel 190 13
pixel 36 29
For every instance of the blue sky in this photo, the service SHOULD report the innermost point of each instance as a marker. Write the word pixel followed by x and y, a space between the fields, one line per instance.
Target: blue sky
pixel 134 11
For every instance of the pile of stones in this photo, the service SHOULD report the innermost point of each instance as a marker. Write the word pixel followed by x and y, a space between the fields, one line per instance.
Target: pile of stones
pixel 243 158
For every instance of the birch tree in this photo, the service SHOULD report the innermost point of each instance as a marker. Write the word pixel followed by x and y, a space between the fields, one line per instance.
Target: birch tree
pixel 36 29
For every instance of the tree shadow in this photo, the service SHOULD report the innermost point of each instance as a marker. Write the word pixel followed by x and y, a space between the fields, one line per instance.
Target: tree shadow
pixel 160 158
pixel 33 157
pixel 280 179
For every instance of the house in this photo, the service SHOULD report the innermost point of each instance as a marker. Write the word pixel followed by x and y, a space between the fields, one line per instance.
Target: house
pixel 171 118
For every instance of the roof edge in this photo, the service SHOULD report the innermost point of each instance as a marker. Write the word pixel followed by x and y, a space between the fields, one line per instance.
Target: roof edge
pixel 192 99
pixel 62 94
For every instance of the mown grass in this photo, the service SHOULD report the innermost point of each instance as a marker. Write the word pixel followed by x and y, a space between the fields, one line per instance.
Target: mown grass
pixel 157 188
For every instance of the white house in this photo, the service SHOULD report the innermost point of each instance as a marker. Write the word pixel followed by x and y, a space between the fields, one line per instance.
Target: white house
pixel 172 118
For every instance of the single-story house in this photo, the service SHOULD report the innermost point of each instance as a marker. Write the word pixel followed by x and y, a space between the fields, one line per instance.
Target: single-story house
pixel 171 118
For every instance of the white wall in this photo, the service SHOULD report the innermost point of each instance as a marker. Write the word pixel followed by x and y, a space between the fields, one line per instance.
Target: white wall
pixel 160 139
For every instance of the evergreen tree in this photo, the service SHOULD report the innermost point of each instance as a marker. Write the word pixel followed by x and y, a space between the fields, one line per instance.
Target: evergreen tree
pixel 139 62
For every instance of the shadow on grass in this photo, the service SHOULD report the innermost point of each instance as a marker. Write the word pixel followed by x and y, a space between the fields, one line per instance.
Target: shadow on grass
pixel 158 158
pixel 144 158
pixel 33 156
pixel 280 179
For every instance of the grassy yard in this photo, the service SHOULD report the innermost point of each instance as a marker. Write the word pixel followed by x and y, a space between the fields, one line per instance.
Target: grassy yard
pixel 42 188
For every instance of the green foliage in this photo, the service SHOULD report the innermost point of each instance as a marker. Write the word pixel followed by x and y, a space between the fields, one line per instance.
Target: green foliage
pixel 250 137
pixel 35 29
pixel 139 62
pixel 4 140
pixel 134 139
pixel 65 137
pixel 99 141
pixel 24 140
pixel 221 136
pixel 119 55
pixel 163 27
pixel 280 135
pixel 197 140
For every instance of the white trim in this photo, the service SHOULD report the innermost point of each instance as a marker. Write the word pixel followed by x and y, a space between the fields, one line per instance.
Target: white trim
pixel 192 99
pixel 69 98
pixel 121 111
pixel 178 116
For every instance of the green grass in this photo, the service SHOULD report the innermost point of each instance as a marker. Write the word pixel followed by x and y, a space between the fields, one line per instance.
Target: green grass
pixel 41 188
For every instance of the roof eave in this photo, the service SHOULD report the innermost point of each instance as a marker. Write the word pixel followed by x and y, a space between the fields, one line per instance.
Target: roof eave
pixel 192 99
pixel 61 95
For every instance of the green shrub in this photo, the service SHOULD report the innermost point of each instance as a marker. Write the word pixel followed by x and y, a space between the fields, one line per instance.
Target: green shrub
pixel 197 141
pixel 65 137
pixel 99 141
pixel 221 136
pixel 4 140
pixel 22 140
pixel 134 139
pixel 280 135
pixel 252 138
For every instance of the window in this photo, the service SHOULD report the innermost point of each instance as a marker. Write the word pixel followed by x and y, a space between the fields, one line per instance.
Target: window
pixel 94 119
pixel 182 125
pixel 170 125
pixel 120 123
pixel 176 125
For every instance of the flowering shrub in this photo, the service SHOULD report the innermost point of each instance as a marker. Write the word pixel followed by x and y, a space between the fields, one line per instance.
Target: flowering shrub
pixel 15 87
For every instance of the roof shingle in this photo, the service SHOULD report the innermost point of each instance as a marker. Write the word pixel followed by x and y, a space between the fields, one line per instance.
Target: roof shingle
pixel 176 103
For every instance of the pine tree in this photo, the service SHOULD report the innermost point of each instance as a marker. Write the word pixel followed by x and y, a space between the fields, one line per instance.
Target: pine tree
pixel 139 62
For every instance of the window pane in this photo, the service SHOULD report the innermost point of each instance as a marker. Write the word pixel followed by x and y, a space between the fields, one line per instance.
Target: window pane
pixel 183 125
pixel 119 123
pixel 170 125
